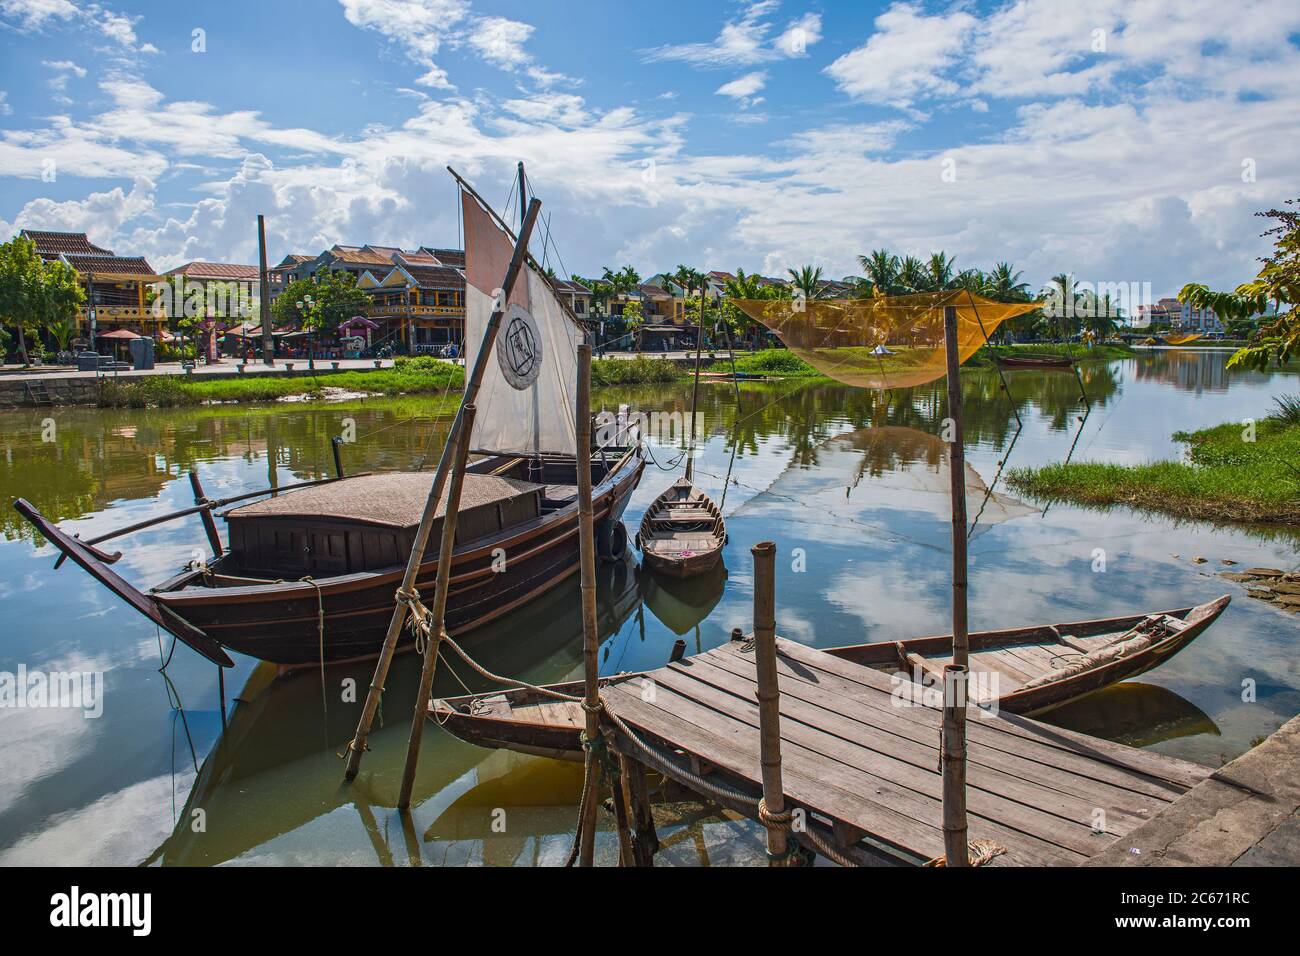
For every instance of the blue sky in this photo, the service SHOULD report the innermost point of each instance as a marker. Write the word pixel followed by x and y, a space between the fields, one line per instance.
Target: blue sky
pixel 1123 141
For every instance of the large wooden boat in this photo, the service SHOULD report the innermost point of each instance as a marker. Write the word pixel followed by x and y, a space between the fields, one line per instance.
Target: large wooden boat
pixel 311 574
pixel 682 532
pixel 1025 670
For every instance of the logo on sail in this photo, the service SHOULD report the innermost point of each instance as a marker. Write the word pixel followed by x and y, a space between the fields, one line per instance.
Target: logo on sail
pixel 519 352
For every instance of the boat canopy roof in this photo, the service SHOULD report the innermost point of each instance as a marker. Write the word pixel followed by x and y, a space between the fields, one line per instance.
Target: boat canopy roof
pixel 395 499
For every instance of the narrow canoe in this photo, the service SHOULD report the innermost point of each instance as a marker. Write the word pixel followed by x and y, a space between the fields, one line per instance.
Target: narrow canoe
pixel 1025 670
pixel 682 532
pixel 1029 361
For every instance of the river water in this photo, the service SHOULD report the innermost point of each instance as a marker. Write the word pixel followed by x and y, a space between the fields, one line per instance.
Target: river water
pixel 850 484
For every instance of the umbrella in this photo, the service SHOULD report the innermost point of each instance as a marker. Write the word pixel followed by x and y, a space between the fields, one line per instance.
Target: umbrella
pixel 118 334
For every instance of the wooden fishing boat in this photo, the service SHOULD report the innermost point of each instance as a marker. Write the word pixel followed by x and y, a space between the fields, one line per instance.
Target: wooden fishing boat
pixel 311 573
pixel 1034 361
pixel 1025 670
pixel 682 532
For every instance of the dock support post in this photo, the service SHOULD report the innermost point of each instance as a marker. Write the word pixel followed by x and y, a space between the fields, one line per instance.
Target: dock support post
pixel 438 613
pixel 264 295
pixel 953 745
pixel 209 523
pixel 590 636
pixel 769 701
pixel 337 444
pixel 357 748
pixel 645 841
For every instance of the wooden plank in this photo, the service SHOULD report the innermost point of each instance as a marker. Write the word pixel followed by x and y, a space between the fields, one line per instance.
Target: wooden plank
pixel 885 823
pixel 989 770
pixel 984 730
pixel 1181 773
pixel 1011 804
pixel 1084 778
pixel 827 785
pixel 1002 663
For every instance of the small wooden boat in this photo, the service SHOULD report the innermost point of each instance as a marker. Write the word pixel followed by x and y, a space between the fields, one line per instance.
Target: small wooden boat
pixel 682 532
pixel 1034 361
pixel 1025 670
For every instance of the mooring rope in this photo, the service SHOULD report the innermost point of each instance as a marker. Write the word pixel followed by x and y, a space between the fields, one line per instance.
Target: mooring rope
pixel 320 637
pixel 979 851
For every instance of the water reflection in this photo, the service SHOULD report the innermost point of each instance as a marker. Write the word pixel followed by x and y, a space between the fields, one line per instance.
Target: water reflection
pixel 844 475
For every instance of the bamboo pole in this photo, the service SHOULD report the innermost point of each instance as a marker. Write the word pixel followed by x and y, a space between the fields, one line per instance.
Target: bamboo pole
pixel 769 695
pixel 953 750
pixel 438 619
pixel 358 745
pixel 209 523
pixel 264 295
pixel 587 566
pixel 695 389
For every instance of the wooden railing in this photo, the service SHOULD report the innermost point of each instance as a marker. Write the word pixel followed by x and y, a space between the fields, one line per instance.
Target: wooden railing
pixel 417 311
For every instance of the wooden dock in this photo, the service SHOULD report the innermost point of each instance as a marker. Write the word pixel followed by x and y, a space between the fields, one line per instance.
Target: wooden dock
pixel 860 756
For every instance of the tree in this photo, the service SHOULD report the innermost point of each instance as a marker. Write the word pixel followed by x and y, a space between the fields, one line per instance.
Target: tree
pixel 1277 338
pixel 881 268
pixel 334 297
pixel 1004 284
pixel 808 280
pixel 913 276
pixel 940 271
pixel 20 279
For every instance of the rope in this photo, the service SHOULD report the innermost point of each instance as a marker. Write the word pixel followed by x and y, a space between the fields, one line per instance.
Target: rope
pixel 979 851
pixel 320 635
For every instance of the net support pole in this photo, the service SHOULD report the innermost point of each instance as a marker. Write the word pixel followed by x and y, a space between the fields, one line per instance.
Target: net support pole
pixel 264 295
pixel 438 612
pixel 587 571
pixel 953 745
pixel 358 745
pixel 769 696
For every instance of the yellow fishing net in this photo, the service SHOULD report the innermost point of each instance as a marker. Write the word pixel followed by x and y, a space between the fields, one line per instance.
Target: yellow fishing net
pixel 1183 339
pixel 885 341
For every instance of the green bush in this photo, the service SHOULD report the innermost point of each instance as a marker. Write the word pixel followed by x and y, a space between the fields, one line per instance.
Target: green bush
pixel 637 371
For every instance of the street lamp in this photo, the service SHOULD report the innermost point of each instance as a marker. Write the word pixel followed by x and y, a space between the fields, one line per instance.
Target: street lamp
pixel 311 348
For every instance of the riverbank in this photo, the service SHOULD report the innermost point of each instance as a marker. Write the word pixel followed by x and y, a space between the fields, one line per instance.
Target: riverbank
pixel 987 356
pixel 1234 472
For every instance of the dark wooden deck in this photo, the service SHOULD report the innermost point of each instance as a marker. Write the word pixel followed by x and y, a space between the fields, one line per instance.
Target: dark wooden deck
pixel 860 753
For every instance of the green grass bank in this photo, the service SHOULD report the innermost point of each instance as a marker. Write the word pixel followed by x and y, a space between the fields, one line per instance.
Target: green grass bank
pixel 1227 477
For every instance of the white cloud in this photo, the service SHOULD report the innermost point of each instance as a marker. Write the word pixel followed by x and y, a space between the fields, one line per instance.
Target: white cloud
pixel 743 88
pixel 908 57
pixel 33 14
pixel 1042 48
pixel 745 42
pixel 419 26
pixel 5 108
pixel 501 41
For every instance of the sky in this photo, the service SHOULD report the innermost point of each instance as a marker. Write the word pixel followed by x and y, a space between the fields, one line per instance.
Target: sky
pixel 1127 142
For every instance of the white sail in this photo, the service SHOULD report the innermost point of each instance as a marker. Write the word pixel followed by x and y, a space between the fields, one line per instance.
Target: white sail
pixel 526 403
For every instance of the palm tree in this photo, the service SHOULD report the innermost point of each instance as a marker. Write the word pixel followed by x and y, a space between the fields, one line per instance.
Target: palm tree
pixel 1004 284
pixel 1065 323
pixel 940 270
pixel 808 280
pixel 912 275
pixel 972 280
pixel 881 268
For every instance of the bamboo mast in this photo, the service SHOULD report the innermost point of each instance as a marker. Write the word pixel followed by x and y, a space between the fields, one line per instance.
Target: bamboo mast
pixel 953 750
pixel 587 565
pixel 769 698
pixel 438 613
pixel 358 745
pixel 695 389
pixel 264 294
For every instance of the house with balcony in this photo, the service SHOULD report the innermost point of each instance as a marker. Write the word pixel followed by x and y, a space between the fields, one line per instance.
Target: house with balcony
pixel 117 287
pixel 418 301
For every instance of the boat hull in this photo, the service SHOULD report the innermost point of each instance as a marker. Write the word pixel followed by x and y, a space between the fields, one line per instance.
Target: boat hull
pixel 346 617
pixel 492 719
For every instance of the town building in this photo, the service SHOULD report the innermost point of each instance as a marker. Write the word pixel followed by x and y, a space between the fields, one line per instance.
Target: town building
pixel 118 288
